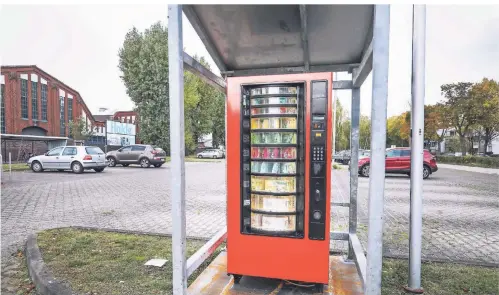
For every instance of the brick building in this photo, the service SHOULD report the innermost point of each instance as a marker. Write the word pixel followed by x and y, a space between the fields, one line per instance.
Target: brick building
pixel 36 103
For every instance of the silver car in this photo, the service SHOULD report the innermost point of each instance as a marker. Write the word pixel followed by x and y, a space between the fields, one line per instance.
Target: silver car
pixel 212 153
pixel 75 158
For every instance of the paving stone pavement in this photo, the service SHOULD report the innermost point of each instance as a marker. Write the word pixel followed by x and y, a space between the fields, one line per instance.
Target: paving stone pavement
pixel 461 209
pixel 460 215
pixel 119 198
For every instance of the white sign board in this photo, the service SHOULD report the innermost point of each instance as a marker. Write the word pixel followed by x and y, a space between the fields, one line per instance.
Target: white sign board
pixel 120 134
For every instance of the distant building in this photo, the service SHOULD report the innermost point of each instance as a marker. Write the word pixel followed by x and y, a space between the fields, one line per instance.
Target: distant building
pixel 35 103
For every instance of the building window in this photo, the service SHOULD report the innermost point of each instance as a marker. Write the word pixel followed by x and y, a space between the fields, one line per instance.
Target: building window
pixel 34 99
pixel 24 99
pixel 63 116
pixel 2 93
pixel 70 109
pixel 44 101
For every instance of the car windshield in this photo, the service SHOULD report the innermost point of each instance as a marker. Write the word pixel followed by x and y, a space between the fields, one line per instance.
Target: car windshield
pixel 93 150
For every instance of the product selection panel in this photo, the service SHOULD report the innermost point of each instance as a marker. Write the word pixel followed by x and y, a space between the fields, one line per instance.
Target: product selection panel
pixel 318 154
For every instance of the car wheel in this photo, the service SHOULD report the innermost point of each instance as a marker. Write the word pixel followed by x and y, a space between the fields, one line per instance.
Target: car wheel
pixel 144 163
pixel 158 165
pixel 215 157
pixel 99 169
pixel 112 161
pixel 426 172
pixel 200 157
pixel 125 165
pixel 77 168
pixel 36 166
pixel 365 170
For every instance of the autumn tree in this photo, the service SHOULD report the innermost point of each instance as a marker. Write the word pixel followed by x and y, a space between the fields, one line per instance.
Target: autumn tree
pixel 486 96
pixel 463 110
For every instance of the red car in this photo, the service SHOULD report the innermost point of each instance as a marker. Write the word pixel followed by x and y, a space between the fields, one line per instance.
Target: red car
pixel 398 160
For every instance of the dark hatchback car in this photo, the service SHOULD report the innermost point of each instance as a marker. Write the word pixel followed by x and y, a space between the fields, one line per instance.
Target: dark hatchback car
pixel 398 160
pixel 142 154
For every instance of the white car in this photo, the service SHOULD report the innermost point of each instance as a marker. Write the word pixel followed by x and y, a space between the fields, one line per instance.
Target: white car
pixel 212 154
pixel 75 158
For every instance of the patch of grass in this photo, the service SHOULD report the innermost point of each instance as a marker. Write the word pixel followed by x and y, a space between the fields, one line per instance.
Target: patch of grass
pixel 441 278
pixel 336 166
pixel 15 277
pixel 111 263
pixel 15 167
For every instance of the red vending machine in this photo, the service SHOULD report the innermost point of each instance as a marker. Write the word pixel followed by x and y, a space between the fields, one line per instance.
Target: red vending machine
pixel 279 131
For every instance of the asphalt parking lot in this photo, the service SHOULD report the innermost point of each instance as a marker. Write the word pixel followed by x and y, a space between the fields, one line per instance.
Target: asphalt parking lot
pixel 461 209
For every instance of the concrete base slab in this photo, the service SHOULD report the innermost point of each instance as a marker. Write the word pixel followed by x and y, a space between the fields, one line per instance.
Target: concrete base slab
pixel 343 279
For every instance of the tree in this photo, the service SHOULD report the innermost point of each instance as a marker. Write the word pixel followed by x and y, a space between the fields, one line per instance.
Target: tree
pixel 365 132
pixel 486 96
pixel 397 130
pixel 462 109
pixel 78 129
pixel 218 126
pixel 202 105
pixel 341 128
pixel 143 61
pixel 437 122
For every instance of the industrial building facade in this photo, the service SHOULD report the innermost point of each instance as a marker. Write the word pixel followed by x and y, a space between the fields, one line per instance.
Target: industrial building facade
pixel 35 103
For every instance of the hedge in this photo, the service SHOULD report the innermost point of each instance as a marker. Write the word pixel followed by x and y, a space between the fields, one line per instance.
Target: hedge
pixel 468 160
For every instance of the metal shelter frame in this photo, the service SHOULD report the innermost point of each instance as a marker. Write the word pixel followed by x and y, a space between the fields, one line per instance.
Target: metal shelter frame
pixel 374 56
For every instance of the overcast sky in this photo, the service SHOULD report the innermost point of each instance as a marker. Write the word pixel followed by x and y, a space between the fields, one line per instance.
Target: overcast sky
pixel 78 44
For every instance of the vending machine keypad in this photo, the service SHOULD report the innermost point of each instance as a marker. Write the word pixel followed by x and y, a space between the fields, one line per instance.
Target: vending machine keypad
pixel 318 154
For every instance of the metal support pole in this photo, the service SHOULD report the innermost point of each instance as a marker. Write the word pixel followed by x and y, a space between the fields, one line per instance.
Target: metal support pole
pixel 10 166
pixel 177 148
pixel 354 168
pixel 381 36
pixel 417 126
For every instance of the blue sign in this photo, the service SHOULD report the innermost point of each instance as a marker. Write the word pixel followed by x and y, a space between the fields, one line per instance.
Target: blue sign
pixel 113 127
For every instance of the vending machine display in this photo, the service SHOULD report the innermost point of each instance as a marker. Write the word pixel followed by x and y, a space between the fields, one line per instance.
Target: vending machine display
pixel 273 184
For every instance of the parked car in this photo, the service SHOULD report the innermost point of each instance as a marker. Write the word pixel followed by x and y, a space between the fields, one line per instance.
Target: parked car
pixel 342 157
pixel 143 154
pixel 398 160
pixel 75 158
pixel 211 153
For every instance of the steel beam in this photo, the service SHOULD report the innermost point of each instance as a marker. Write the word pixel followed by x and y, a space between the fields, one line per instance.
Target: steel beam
pixel 291 70
pixel 339 236
pixel 359 257
pixel 342 84
pixel 304 37
pixel 360 74
pixel 205 251
pixel 354 168
pixel 201 71
pixel 417 145
pixel 381 36
pixel 176 82
pixel 193 18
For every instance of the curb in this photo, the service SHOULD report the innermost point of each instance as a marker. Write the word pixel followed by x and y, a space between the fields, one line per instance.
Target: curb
pixel 42 277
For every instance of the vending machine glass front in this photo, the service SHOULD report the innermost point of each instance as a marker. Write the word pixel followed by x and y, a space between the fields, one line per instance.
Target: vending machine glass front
pixel 272 190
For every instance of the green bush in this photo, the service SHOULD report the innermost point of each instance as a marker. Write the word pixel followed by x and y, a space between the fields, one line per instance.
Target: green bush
pixel 469 160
